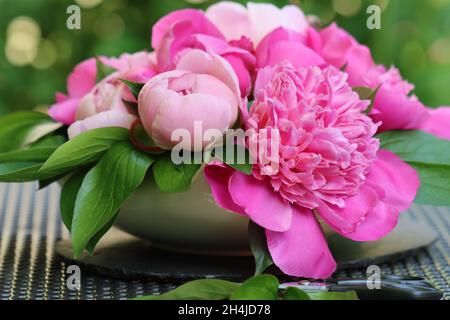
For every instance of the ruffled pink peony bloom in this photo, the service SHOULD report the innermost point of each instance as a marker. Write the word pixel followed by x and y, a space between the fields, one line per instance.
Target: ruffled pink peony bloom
pixel 256 20
pixel 184 30
pixel 203 88
pixel 103 105
pixel 329 164
pixel 393 105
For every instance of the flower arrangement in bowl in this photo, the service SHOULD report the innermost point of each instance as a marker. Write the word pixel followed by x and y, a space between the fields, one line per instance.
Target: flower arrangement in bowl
pixel 240 116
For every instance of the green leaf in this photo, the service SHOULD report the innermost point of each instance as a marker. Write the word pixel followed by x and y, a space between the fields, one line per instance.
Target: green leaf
pixel 434 184
pixel 258 244
pixel 262 287
pixel 135 87
pixel 292 293
pixel 18 130
pixel 103 70
pixel 171 177
pixel 86 148
pixel 416 146
pixel 69 194
pixel 32 154
pixel 348 295
pixel 90 247
pixel 366 93
pixel 22 172
pixel 105 189
pixel 430 156
pixel 239 159
pixel 204 289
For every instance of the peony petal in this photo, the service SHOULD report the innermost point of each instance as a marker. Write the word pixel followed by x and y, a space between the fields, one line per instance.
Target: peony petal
pixel 231 18
pixel 65 112
pixel 266 17
pixel 218 176
pixel 398 183
pixel 200 23
pixel 397 111
pixel 82 79
pixel 438 123
pixel 345 220
pixel 302 251
pixel 197 61
pixel 260 202
pixel 106 119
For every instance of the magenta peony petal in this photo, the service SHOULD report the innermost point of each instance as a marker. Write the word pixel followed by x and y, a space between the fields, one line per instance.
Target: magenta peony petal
pixel 64 112
pixel 398 184
pixel 200 23
pixel 218 176
pixel 438 123
pixel 302 251
pixel 398 111
pixel 345 220
pixel 82 79
pixel 262 205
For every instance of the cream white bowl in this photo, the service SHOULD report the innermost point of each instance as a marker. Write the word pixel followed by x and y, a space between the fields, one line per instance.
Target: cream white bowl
pixel 184 222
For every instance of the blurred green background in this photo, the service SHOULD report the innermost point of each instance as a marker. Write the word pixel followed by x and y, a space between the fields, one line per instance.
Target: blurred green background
pixel 37 51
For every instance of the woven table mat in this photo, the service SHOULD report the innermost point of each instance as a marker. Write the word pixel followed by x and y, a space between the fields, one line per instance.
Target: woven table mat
pixel 30 225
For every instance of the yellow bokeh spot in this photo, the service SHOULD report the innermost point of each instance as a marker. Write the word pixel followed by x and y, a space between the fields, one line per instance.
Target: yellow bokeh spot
pixel 88 3
pixel 22 41
pixel 347 7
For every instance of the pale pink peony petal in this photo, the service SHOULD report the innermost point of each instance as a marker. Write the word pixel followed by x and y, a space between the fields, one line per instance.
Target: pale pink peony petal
pixel 302 251
pixel 262 205
pixel 438 123
pixel 106 119
pixel 265 17
pixel 231 18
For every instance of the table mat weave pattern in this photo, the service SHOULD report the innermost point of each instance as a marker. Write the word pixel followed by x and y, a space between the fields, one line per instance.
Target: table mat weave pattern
pixel 29 269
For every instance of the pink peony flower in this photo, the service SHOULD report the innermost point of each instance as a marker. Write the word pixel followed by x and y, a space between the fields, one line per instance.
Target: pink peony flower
pixel 438 123
pixel 202 88
pixel 393 105
pixel 255 21
pixel 137 67
pixel 103 105
pixel 329 164
pixel 184 30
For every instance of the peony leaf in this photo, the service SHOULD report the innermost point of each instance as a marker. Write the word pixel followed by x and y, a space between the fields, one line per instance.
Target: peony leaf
pixel 366 93
pixel 430 156
pixel 104 190
pixel 103 70
pixel 239 158
pixel 204 289
pixel 171 177
pixel 20 129
pixel 292 293
pixel 258 244
pixel 416 146
pixel 262 287
pixel 135 87
pixel 86 148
